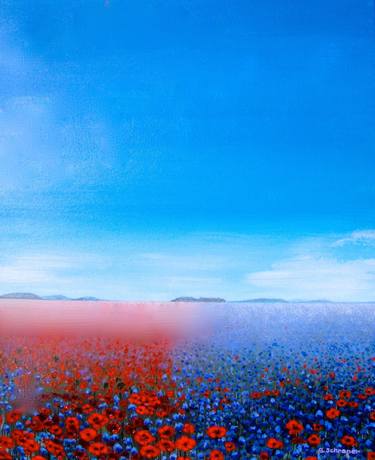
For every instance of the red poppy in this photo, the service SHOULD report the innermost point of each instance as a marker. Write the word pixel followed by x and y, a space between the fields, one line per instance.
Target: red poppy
pixel 341 403
pixel 166 431
pixel 87 408
pixel 6 442
pixel 216 455
pixel 314 440
pixel 264 456
pixel 142 410
pixel 294 427
pixel 216 432
pixel 35 424
pixel 97 421
pixel 144 437
pixel 332 413
pixel 370 455
pixel 98 448
pixel 161 412
pixel 274 443
pixel 88 434
pixel 31 446
pixel 114 427
pixel 185 443
pixel 348 441
pixel 21 437
pixel 317 427
pixel 353 404
pixel 345 394
pixel 150 451
pixel 13 416
pixel 372 415
pixel 166 445
pixel 55 429
pixel 72 423
pixel 230 446
pixel 54 448
pixel 188 428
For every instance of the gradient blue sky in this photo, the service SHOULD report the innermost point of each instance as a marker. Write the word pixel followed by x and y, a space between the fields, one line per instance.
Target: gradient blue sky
pixel 158 148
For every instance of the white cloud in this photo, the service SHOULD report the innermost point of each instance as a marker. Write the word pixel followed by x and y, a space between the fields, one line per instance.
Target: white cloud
pixel 46 273
pixel 304 269
pixel 364 237
pixel 312 277
pixel 31 270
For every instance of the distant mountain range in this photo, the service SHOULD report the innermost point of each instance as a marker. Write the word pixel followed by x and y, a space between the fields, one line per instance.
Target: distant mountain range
pixel 31 296
pixel 198 299
pixel 256 300
pixel 20 295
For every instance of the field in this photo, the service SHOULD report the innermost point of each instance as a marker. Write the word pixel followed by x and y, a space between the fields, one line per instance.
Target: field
pixel 186 381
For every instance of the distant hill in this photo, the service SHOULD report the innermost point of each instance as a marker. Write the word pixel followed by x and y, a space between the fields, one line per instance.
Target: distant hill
pixel 198 299
pixel 20 295
pixel 31 296
pixel 55 297
pixel 87 298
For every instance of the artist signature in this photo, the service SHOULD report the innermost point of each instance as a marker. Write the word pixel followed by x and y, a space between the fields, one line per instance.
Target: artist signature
pixel 334 450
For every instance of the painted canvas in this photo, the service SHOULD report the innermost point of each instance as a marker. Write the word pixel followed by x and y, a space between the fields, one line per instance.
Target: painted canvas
pixel 187 229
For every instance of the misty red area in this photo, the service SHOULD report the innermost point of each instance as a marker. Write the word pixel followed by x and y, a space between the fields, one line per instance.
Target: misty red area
pixel 59 348
pixel 55 344
pixel 100 318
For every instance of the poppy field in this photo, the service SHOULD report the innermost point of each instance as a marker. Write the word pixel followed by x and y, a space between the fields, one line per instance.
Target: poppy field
pixel 230 381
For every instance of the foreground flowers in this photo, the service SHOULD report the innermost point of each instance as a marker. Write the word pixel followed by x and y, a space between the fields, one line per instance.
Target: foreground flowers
pixel 109 398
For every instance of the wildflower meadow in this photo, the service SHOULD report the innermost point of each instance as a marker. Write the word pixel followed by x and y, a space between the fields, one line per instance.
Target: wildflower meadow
pixel 252 382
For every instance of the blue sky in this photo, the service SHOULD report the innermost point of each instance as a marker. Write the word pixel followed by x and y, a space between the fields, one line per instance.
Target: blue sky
pixel 158 148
